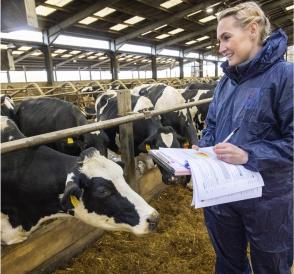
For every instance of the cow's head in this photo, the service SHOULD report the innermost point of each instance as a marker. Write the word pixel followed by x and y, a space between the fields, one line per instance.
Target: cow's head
pixel 97 139
pixel 163 137
pixel 9 130
pixel 7 106
pixel 97 194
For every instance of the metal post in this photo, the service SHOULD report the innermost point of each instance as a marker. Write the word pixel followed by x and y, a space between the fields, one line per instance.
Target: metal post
pixel 201 68
pixel 48 64
pixel 8 76
pixel 80 73
pixel 90 73
pixel 153 67
pixel 181 65
pixel 25 73
pixel 113 66
pixel 127 139
pixel 55 73
pixel 10 59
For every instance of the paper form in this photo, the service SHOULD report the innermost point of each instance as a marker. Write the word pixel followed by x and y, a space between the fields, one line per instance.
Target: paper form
pixel 216 178
pixel 214 181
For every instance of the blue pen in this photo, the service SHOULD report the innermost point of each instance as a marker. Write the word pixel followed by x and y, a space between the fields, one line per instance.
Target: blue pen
pixel 230 135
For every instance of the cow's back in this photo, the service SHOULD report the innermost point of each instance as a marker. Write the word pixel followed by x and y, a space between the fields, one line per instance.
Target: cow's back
pixel 43 115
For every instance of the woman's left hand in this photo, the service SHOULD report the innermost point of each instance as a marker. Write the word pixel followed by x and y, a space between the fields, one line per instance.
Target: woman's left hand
pixel 231 154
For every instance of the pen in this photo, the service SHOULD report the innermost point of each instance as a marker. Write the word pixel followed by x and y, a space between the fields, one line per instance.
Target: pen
pixel 230 135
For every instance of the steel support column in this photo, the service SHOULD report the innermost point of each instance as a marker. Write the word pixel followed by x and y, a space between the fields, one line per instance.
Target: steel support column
pixel 181 66
pixel 153 67
pixel 200 68
pixel 113 66
pixel 48 64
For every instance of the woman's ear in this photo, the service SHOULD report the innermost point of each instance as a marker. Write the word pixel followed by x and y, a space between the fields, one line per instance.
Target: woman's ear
pixel 253 29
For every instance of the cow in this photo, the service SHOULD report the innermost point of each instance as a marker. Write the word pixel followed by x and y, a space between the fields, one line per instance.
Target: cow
pixel 89 96
pixel 148 133
pixel 7 106
pixel 43 115
pixel 40 183
pixel 198 113
pixel 163 96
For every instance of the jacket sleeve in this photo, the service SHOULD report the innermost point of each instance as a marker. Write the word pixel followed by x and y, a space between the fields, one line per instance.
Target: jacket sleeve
pixel 208 133
pixel 266 154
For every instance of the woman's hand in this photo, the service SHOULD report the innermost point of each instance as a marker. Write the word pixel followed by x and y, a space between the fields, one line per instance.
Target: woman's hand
pixel 195 147
pixel 231 154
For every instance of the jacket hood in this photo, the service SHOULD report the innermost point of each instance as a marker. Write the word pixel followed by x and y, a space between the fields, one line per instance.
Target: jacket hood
pixel 272 51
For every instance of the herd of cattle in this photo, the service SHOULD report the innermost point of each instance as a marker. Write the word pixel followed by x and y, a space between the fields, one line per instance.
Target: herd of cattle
pixel 73 176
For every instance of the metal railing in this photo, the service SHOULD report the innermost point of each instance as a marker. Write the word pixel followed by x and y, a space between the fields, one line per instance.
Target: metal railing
pixel 56 135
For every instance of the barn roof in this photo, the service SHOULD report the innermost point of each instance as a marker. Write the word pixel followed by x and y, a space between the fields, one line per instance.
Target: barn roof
pixel 184 25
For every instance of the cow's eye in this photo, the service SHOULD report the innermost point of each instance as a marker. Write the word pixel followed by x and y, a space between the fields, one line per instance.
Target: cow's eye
pixel 102 192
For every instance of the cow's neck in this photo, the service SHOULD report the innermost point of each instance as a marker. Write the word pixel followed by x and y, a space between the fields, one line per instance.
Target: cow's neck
pixel 49 169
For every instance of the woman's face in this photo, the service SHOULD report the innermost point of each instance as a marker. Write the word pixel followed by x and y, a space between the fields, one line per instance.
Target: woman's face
pixel 235 43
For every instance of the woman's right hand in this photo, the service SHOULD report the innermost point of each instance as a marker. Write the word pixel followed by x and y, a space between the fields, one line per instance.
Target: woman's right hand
pixel 195 147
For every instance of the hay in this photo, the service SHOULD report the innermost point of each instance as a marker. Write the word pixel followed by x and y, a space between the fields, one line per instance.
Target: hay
pixel 180 244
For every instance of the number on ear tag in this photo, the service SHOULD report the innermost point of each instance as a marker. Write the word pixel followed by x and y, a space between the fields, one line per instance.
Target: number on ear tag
pixel 74 200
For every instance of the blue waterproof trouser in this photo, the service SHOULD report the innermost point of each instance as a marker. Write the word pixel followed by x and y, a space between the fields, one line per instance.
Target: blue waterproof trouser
pixel 267 224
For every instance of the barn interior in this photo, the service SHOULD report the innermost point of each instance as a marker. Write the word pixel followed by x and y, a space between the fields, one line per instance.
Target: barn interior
pixel 108 40
pixel 56 48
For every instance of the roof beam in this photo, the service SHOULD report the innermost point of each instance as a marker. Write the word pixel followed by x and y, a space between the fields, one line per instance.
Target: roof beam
pixel 185 37
pixel 69 60
pixel 168 19
pixel 281 20
pixel 25 55
pixel 55 30
pixel 132 62
pixel 266 7
pixel 196 47
pixel 100 63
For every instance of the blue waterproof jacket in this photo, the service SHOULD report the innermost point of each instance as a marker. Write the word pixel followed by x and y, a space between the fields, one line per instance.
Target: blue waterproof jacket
pixel 257 97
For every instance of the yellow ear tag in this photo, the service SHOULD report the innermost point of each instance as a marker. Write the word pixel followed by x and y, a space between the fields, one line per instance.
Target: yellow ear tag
pixel 74 200
pixel 70 140
pixel 147 146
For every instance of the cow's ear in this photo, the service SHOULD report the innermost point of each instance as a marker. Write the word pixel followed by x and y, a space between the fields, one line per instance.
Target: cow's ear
pixel 120 163
pixel 146 145
pixel 71 195
pixel 88 153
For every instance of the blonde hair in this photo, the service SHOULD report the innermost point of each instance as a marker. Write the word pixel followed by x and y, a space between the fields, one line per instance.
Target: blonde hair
pixel 246 13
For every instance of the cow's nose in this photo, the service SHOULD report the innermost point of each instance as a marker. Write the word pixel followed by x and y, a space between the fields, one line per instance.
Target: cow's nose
pixel 153 221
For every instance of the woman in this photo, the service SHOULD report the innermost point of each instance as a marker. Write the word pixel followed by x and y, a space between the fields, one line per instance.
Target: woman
pixel 256 96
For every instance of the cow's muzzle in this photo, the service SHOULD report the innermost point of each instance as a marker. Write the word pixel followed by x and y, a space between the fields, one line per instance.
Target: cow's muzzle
pixel 153 220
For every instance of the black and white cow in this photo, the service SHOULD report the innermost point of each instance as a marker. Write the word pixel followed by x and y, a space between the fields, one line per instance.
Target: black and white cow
pixel 43 115
pixel 198 113
pixel 7 106
pixel 148 133
pixel 40 183
pixel 163 96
